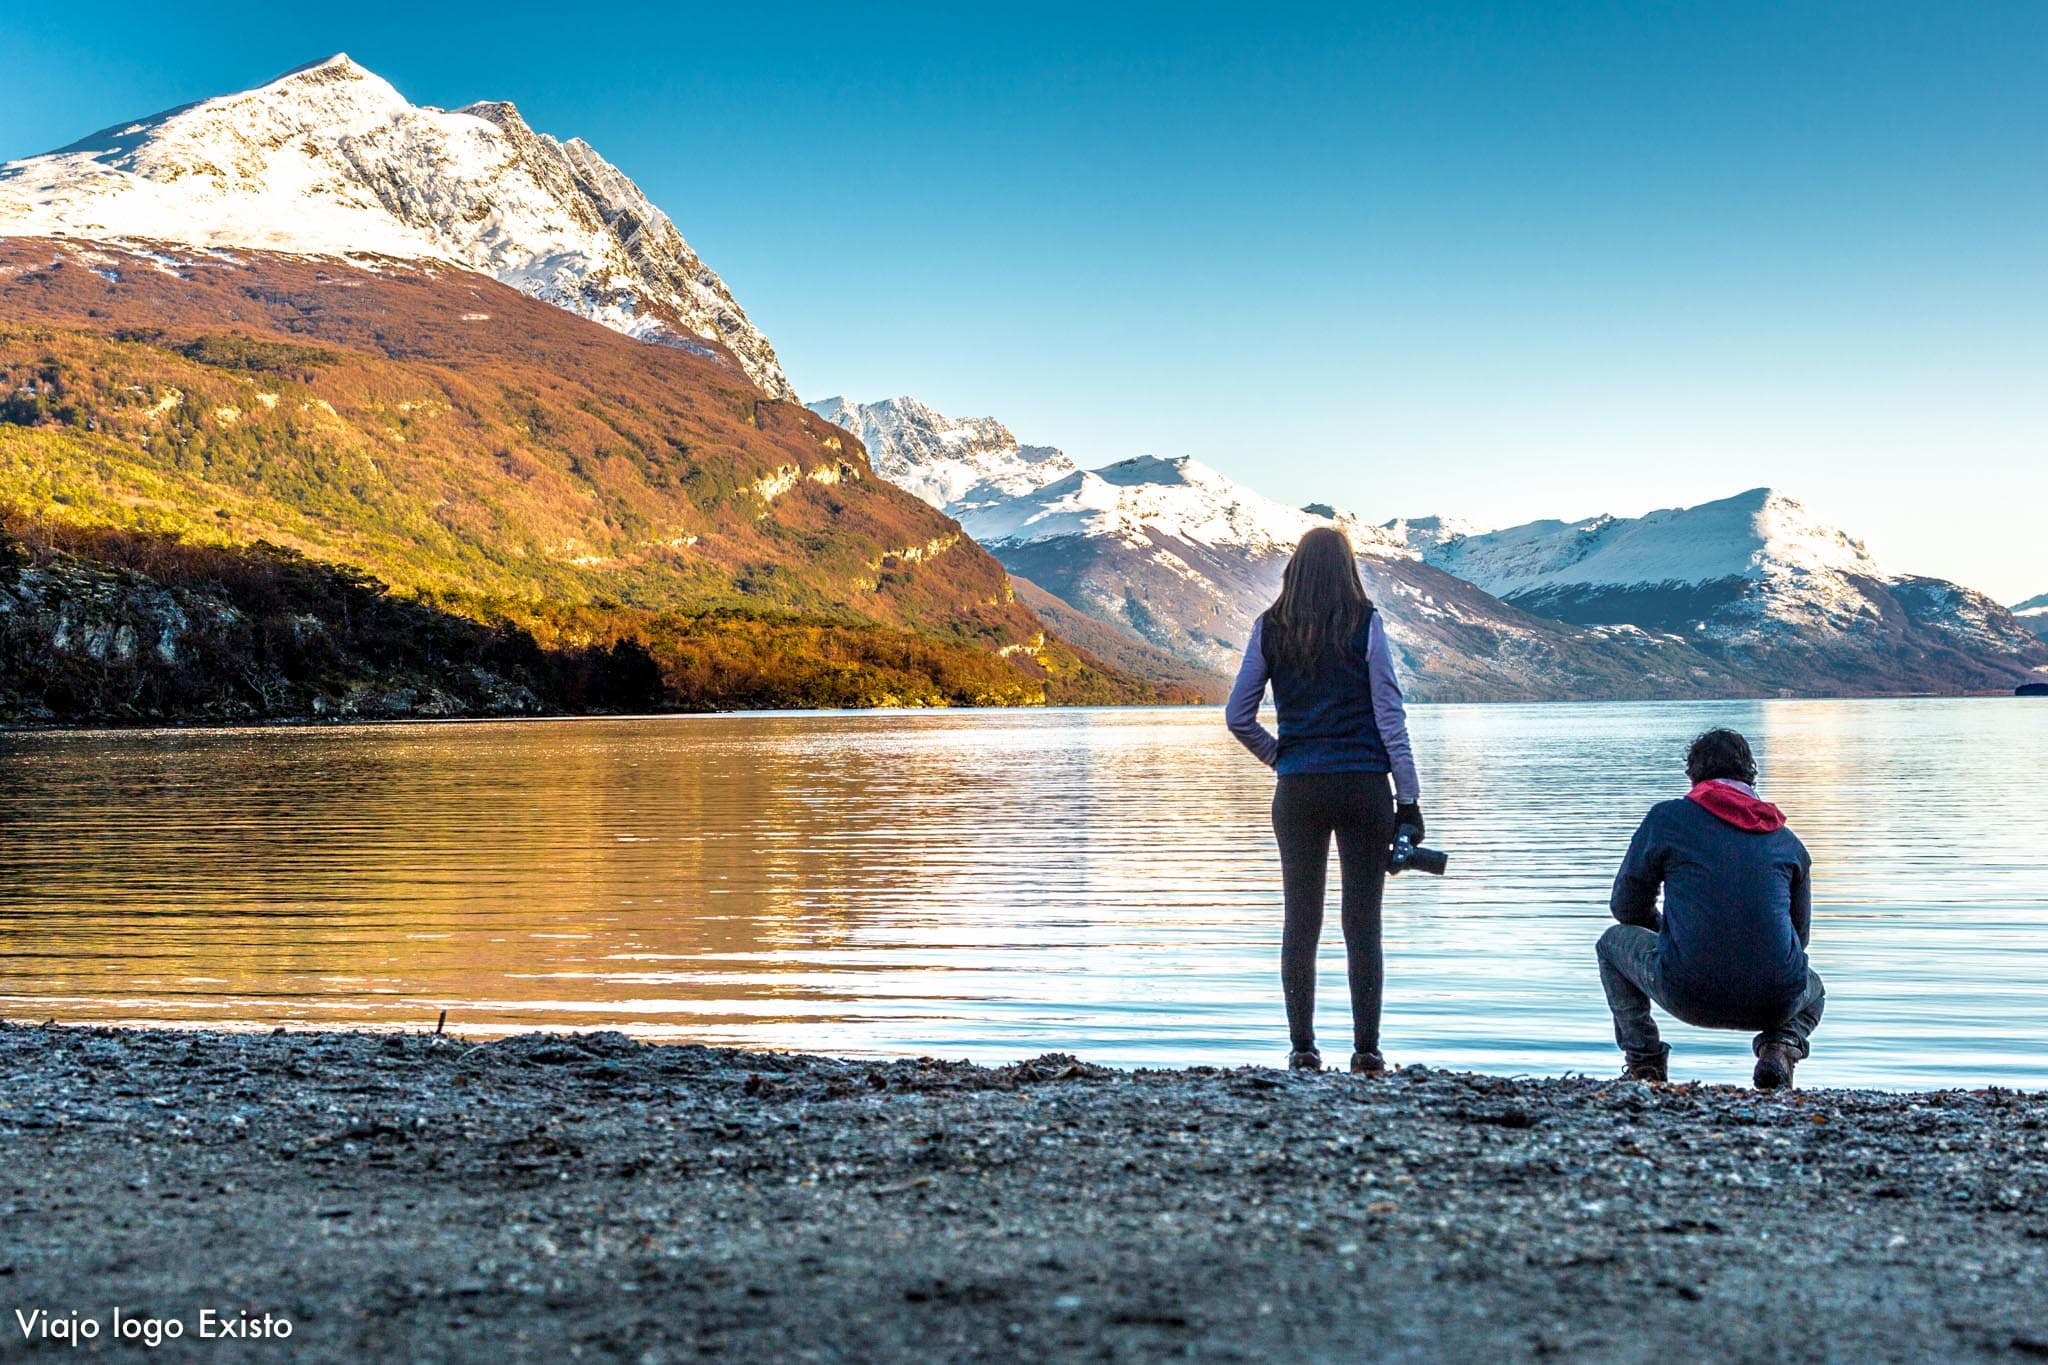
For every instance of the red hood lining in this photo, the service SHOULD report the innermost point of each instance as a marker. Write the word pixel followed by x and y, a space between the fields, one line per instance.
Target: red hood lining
pixel 1736 807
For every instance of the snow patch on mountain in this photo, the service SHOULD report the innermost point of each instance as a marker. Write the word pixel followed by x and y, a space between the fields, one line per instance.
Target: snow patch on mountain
pixel 957 464
pixel 1423 534
pixel 1138 500
pixel 330 160
pixel 1758 579
pixel 1755 535
pixel 1759 561
pixel 976 470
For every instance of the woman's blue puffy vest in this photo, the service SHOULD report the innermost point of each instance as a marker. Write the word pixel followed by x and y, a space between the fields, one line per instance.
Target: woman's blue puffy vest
pixel 1326 717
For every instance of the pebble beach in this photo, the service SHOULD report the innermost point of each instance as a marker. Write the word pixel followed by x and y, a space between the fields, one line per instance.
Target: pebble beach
pixel 406 1195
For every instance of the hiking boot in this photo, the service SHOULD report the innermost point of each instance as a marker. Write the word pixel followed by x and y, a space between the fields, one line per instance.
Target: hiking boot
pixel 1368 1064
pixel 1774 1063
pixel 1304 1059
pixel 1654 1071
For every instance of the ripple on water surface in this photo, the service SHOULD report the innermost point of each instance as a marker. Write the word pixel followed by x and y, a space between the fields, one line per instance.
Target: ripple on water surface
pixel 990 884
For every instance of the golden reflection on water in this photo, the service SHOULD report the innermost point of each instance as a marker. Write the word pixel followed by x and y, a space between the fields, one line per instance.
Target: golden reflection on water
pixel 993 884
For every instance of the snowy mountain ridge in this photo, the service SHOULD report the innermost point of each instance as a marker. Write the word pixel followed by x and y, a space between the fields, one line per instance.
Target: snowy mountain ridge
pixel 1760 534
pixel 1134 500
pixel 957 464
pixel 1756 574
pixel 974 469
pixel 1758 563
pixel 1177 557
pixel 330 160
pixel 1744 594
pixel 1422 534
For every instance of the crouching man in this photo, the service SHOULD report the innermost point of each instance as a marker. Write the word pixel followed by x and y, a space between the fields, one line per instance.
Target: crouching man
pixel 1729 950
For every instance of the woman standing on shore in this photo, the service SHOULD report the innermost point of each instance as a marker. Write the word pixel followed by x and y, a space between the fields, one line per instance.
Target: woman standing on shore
pixel 1343 730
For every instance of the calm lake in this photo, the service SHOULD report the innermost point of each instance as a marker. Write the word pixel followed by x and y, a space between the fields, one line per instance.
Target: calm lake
pixel 997 884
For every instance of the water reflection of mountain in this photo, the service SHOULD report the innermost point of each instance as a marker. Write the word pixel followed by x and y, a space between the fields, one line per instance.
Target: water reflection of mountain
pixel 581 869
pixel 991 884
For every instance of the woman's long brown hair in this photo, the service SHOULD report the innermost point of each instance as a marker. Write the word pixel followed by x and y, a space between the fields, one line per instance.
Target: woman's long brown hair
pixel 1322 601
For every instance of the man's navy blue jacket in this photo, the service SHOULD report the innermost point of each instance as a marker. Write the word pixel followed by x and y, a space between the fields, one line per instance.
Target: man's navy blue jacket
pixel 1738 903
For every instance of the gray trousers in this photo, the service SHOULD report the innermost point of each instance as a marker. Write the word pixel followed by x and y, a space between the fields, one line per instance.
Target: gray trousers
pixel 1633 980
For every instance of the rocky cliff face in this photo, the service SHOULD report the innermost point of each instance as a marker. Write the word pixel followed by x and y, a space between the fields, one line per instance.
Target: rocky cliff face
pixel 330 160
pixel 257 637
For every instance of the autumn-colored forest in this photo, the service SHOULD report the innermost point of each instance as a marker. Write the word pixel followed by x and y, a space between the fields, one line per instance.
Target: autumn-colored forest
pixel 307 438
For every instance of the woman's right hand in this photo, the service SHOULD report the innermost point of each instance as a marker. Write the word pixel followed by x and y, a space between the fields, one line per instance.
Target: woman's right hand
pixel 1409 813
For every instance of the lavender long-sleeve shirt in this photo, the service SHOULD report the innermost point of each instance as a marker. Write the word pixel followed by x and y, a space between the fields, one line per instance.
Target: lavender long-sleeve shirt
pixel 1241 713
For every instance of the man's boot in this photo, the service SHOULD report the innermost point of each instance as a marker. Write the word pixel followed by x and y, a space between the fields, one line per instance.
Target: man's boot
pixel 1774 1063
pixel 1650 1070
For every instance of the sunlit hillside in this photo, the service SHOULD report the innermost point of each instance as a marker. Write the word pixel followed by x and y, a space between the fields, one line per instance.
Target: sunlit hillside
pixel 506 461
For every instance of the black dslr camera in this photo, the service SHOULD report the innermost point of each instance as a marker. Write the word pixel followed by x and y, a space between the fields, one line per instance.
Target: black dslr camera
pixel 1408 854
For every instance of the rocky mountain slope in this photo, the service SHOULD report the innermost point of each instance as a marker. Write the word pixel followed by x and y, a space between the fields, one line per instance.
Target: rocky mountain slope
pixel 329 160
pixel 957 464
pixel 1122 648
pixel 2033 614
pixel 497 456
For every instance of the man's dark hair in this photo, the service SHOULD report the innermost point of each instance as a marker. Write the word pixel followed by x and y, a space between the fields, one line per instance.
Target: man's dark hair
pixel 1720 753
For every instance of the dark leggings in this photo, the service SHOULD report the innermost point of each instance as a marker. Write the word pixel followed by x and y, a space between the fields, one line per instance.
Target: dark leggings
pixel 1307 809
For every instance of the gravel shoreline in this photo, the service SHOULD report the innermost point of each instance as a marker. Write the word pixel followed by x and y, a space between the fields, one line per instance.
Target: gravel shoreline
pixel 402 1196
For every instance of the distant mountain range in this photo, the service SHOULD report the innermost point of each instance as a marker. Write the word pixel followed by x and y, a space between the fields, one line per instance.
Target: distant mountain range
pixel 1757 581
pixel 1176 557
pixel 1749 595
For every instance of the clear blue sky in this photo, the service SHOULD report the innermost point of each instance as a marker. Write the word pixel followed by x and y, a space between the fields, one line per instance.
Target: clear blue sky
pixel 1497 260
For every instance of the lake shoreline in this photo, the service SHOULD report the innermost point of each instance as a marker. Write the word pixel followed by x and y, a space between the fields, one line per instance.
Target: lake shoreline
pixel 430 1197
pixel 116 725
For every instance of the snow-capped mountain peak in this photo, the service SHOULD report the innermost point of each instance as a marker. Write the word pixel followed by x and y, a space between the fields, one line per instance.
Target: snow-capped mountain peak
pixel 957 464
pixel 1181 471
pixel 337 69
pixel 1756 535
pixel 1137 500
pixel 975 469
pixel 1751 592
pixel 331 160
pixel 1757 575
pixel 1790 535
pixel 1423 534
